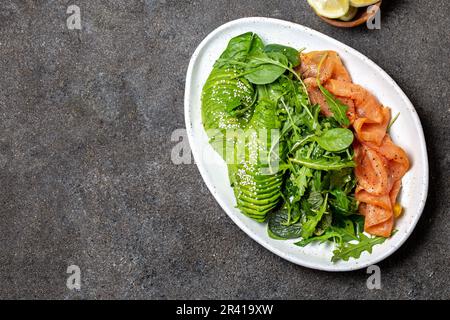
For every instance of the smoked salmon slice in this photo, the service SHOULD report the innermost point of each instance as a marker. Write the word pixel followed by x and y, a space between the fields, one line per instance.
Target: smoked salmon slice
pixel 367 131
pixel 380 164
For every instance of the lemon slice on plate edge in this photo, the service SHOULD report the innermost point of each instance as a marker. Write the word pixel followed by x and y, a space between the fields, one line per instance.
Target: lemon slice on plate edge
pixel 330 8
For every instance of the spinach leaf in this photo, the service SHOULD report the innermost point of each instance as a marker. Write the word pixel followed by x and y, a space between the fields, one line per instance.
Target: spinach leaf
pixel 239 48
pixel 278 226
pixel 337 107
pixel 292 54
pixel 265 68
pixel 354 250
pixel 332 163
pixel 257 45
pixel 336 139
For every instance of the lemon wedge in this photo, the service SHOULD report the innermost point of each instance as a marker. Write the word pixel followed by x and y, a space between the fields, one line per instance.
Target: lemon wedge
pixel 330 8
pixel 351 13
pixel 362 3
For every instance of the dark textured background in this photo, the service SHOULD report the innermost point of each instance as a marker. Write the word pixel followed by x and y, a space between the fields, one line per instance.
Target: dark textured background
pixel 85 171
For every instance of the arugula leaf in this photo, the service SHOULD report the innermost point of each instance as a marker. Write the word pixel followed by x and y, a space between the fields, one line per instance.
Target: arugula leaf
pixel 358 221
pixel 300 180
pixel 332 163
pixel 316 181
pixel 347 231
pixel 342 203
pixel 321 239
pixel 338 234
pixel 302 141
pixel 338 109
pixel 354 250
pixel 310 224
pixel 392 122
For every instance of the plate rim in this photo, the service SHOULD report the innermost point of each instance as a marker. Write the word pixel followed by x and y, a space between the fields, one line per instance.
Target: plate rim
pixel 242 225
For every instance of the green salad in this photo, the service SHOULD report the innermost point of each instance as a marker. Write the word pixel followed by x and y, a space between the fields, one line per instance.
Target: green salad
pixel 289 166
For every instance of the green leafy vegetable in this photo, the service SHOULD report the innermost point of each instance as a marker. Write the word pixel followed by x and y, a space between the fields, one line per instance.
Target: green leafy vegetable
pixel 338 109
pixel 336 139
pixel 354 250
pixel 342 203
pixel 264 68
pixel 283 226
pixel 311 222
pixel 332 163
pixel 315 200
pixel 291 53
pixel 324 224
pixel 392 122
pixel 239 48
pixel 329 235
pixel 342 179
pixel 348 231
pixel 299 180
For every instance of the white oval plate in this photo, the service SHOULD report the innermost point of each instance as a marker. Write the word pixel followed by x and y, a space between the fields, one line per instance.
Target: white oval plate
pixel 407 132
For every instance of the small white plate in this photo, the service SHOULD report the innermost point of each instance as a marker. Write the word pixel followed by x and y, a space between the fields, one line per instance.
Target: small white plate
pixel 407 132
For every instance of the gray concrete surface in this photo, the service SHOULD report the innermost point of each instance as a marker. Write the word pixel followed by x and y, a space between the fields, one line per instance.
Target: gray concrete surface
pixel 85 172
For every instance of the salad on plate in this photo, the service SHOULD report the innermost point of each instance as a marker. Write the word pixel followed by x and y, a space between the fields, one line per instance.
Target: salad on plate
pixel 308 151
